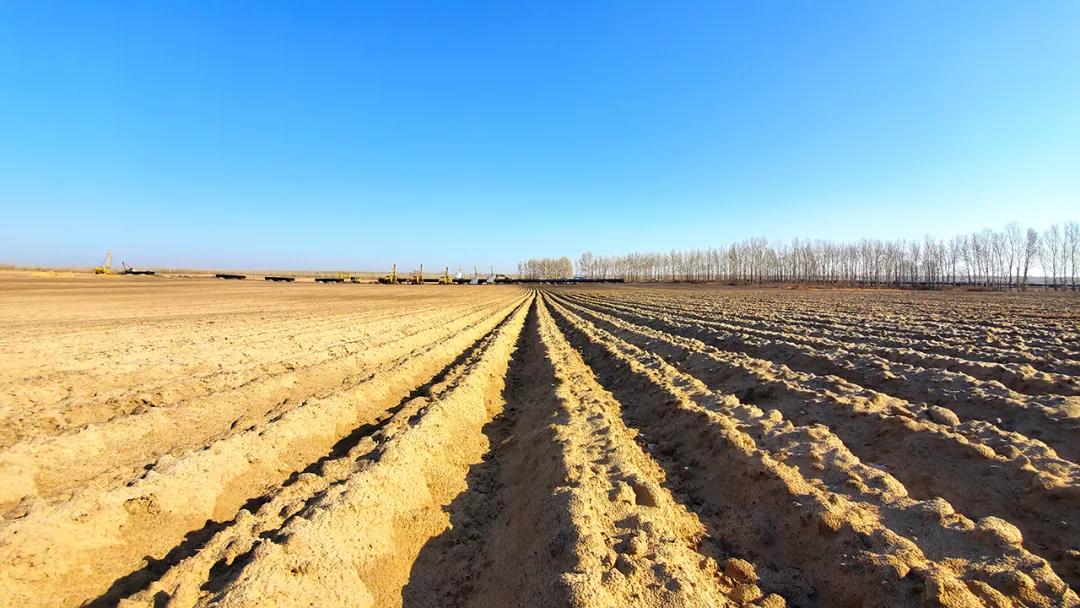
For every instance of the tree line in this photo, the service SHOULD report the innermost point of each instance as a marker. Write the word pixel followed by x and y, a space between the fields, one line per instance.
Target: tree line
pixel 546 268
pixel 1008 258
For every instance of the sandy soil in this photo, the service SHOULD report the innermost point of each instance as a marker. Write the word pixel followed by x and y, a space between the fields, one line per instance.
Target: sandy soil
pixel 183 443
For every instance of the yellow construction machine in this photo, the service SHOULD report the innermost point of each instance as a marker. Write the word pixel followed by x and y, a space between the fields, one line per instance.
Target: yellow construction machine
pixel 106 267
pixel 418 278
pixel 390 279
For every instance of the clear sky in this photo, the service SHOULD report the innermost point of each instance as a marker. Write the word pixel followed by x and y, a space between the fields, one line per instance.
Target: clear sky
pixel 354 135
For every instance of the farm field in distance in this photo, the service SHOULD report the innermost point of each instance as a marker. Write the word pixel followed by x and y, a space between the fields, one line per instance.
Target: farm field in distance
pixel 182 443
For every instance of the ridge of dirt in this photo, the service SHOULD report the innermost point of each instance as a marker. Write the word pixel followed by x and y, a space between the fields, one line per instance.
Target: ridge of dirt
pixel 910 547
pixel 196 443
pixel 979 480
pixel 1043 419
pixel 96 536
pixel 352 543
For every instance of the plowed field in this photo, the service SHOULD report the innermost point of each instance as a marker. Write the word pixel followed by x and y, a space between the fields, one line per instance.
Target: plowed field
pixel 189 443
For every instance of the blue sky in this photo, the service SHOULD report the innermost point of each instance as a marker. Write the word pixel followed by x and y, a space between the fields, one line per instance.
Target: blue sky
pixel 316 135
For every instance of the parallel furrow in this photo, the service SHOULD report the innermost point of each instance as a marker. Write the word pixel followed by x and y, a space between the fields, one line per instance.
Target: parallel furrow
pixel 979 482
pixel 108 452
pixel 970 351
pixel 353 540
pixel 58 554
pixel 1044 419
pixel 891 550
pixel 1021 376
pixel 96 395
pixel 580 518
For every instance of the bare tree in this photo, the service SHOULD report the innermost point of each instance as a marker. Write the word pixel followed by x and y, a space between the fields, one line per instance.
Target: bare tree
pixel 1014 243
pixel 1049 253
pixel 546 268
pixel 1070 249
pixel 1031 249
pixel 989 258
pixel 585 265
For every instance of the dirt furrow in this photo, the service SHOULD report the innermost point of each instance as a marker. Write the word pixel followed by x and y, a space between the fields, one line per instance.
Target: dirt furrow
pixel 59 554
pixel 891 550
pixel 176 387
pixel 565 510
pixel 949 322
pixel 39 364
pixel 103 454
pixel 507 542
pixel 970 350
pixel 100 393
pixel 968 398
pixel 1018 317
pixel 984 354
pixel 207 570
pixel 636 545
pixel 1020 376
pixel 945 326
pixel 352 543
pixel 979 482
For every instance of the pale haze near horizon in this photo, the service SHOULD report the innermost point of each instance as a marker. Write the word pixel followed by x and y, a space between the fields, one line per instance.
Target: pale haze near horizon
pixel 317 137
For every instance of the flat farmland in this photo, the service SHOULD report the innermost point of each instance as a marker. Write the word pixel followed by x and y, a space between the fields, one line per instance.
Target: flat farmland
pixel 192 443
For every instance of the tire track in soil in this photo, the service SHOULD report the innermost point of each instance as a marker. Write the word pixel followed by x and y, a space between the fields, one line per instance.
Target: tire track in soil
pixel 978 482
pixel 937 556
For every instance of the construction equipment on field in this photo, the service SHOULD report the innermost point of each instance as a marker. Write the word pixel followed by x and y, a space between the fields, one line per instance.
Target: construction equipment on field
pixel 140 272
pixel 134 271
pixel 340 277
pixel 106 267
pixel 418 278
pixel 493 278
pixel 390 279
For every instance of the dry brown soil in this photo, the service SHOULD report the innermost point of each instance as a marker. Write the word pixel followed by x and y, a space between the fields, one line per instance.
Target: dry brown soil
pixel 181 443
